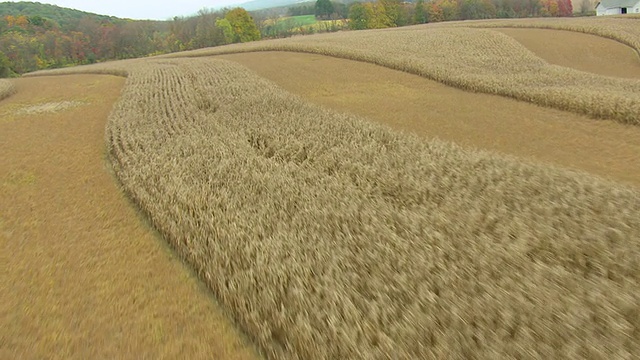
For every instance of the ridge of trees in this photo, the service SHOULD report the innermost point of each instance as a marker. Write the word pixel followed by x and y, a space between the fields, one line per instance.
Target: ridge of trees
pixel 64 18
pixel 36 36
pixel 392 13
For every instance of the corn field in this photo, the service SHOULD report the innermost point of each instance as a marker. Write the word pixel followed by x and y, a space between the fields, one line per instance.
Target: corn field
pixel 326 236
pixel 470 56
pixel 480 60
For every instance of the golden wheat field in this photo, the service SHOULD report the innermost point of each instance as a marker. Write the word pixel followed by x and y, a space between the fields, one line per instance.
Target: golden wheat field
pixel 328 236
pixel 484 61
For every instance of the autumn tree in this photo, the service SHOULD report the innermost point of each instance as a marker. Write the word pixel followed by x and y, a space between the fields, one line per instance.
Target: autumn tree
pixel 477 9
pixel 565 8
pixel 433 13
pixel 549 8
pixel 387 13
pixel 227 30
pixel 449 8
pixel 242 24
pixel 359 16
pixel 378 15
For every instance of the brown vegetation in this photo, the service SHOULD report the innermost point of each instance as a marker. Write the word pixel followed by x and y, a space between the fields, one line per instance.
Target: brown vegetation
pixel 6 88
pixel 478 60
pixel 83 276
pixel 489 122
pixel 327 236
pixel 331 237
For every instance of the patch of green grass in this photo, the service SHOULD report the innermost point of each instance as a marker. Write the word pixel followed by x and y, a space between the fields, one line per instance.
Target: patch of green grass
pixel 305 19
pixel 292 22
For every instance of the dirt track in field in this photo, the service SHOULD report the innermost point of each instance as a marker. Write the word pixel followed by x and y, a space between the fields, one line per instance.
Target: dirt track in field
pixel 580 51
pixel 411 103
pixel 82 275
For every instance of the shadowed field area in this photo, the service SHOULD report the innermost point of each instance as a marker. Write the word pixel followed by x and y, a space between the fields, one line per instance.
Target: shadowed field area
pixel 83 276
pixel 412 103
pixel 584 52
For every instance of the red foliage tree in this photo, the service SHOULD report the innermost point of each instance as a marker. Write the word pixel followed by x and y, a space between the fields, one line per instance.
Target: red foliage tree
pixel 565 8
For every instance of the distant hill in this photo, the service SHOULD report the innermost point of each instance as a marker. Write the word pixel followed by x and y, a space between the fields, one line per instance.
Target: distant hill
pixel 66 18
pixel 36 36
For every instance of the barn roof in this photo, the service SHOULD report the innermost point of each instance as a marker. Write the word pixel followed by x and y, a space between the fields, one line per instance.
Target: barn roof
pixel 618 3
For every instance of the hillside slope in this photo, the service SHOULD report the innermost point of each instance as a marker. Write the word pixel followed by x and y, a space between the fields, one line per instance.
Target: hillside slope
pixel 66 18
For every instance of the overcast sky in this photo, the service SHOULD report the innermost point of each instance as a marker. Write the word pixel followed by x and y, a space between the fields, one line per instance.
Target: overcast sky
pixel 142 9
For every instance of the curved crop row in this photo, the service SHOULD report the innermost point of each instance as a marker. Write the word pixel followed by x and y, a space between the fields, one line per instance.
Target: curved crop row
pixel 6 88
pixel 473 59
pixel 327 236
pixel 624 30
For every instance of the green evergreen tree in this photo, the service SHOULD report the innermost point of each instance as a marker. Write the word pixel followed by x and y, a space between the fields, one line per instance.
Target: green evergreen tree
pixel 420 14
pixel 324 9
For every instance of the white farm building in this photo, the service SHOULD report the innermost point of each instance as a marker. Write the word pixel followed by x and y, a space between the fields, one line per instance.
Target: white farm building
pixel 617 7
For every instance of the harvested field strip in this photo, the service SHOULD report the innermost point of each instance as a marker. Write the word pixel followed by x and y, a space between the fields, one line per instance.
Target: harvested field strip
pixel 83 276
pixel 411 103
pixel 584 52
pixel 330 237
pixel 6 88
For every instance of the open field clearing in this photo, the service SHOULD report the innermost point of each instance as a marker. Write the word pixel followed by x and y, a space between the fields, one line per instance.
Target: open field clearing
pixel 430 109
pixel 6 88
pixel 83 276
pixel 328 236
pixel 584 52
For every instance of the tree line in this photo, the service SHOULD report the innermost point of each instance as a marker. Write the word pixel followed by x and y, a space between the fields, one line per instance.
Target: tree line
pixel 392 13
pixel 33 42
pixel 30 42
